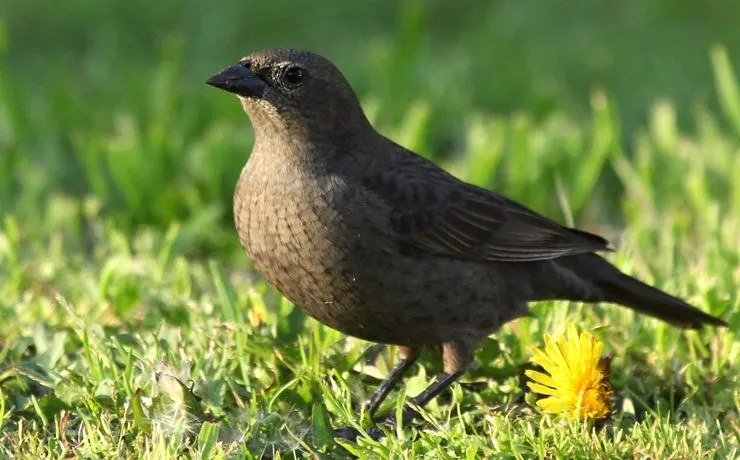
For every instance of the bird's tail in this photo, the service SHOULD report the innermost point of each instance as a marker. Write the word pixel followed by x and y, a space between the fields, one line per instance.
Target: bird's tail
pixel 622 289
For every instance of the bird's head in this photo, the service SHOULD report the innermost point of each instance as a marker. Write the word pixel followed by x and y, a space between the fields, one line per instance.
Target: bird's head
pixel 293 92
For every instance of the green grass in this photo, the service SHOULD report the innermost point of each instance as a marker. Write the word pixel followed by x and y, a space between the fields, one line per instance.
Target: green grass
pixel 119 268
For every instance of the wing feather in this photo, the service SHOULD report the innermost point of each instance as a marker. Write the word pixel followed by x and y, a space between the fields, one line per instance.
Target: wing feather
pixel 433 213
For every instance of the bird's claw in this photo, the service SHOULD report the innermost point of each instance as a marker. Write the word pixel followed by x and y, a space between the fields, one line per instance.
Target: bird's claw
pixel 376 433
pixel 347 433
pixel 407 415
pixel 351 434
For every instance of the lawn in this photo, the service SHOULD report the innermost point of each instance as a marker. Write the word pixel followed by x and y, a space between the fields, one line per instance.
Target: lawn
pixel 134 327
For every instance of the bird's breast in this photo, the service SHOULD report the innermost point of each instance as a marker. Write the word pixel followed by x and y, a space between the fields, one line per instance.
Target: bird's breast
pixel 297 233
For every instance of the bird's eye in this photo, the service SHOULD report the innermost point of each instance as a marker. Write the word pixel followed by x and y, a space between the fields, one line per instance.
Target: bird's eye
pixel 246 63
pixel 294 75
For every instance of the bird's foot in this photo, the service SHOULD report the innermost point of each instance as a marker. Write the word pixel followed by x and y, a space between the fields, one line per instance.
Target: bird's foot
pixel 347 433
pixel 407 415
pixel 376 433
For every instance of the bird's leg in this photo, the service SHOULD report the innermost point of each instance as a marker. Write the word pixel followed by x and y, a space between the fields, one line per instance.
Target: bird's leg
pixel 441 383
pixel 457 356
pixel 408 358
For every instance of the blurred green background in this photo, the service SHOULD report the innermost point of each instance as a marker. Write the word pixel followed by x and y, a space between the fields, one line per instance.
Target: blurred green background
pixel 119 260
pixel 104 100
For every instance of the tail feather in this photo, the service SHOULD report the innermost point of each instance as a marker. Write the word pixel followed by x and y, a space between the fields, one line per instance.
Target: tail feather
pixel 622 289
pixel 646 299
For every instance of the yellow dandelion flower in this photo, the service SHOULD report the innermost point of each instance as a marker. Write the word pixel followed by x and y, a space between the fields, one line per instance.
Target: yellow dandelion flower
pixel 577 384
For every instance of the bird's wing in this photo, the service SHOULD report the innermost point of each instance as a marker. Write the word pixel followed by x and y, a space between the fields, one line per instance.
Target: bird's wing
pixel 433 213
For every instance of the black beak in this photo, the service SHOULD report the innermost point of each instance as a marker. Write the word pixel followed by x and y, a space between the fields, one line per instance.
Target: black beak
pixel 239 79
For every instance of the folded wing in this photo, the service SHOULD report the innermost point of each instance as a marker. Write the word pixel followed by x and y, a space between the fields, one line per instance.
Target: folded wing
pixel 433 213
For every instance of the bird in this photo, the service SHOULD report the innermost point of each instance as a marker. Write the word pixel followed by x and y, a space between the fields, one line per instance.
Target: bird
pixel 378 242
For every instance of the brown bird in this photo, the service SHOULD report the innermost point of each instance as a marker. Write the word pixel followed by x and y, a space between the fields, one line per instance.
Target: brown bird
pixel 379 243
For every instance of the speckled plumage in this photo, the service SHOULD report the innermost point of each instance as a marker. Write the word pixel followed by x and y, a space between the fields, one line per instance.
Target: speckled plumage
pixel 325 242
pixel 381 244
